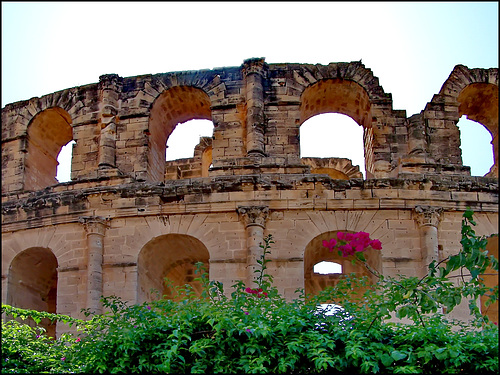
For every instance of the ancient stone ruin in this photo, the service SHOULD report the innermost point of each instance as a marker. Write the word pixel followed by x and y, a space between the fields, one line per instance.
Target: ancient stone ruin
pixel 128 218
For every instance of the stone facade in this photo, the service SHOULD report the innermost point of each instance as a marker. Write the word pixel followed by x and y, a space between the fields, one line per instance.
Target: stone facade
pixel 128 218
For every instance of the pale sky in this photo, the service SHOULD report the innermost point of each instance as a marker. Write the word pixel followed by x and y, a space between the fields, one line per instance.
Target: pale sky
pixel 412 47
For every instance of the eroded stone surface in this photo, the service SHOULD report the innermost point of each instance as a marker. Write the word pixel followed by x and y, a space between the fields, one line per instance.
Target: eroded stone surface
pixel 162 217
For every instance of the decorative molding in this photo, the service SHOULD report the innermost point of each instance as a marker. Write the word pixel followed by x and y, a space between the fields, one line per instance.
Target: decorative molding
pixel 253 215
pixel 94 224
pixel 428 215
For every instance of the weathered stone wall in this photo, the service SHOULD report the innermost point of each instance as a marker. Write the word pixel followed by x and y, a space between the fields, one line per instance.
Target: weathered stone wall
pixel 127 218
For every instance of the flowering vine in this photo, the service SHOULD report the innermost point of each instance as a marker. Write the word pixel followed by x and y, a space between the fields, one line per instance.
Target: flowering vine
pixel 348 244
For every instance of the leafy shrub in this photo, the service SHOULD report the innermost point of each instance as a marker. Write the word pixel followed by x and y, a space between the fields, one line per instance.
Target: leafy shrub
pixel 255 330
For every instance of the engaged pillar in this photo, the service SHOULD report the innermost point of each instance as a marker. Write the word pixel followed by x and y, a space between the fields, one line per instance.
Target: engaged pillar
pixel 254 218
pixel 95 228
pixel 428 219
pixel 253 71
pixel 110 86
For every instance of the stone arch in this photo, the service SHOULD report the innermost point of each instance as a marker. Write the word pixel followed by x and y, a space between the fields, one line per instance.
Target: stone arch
pixel 47 133
pixel 479 102
pixel 32 283
pixel 175 105
pixel 354 71
pixel 473 93
pixel 315 253
pixel 171 256
pixel 340 96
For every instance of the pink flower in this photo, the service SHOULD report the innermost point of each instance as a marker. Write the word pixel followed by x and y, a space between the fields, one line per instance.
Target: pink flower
pixel 376 244
pixel 63 358
pixel 78 339
pixel 249 330
pixel 346 250
pixel 358 245
pixel 330 244
pixel 340 236
pixel 349 236
pixel 249 290
pixel 362 235
pixel 149 307
pixel 246 312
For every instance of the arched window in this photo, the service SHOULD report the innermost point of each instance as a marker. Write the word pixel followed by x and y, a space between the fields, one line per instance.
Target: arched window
pixel 346 108
pixel 475 143
pixel 47 133
pixel 479 102
pixel 323 268
pixel 333 135
pixel 172 257
pixel 32 283
pixel 175 106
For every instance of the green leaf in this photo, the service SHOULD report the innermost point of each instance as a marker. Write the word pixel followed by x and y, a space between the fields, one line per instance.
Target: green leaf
pixel 441 354
pixel 386 359
pixel 397 355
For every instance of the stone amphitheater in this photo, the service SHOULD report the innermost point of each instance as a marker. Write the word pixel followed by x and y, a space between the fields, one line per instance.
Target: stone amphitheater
pixel 128 218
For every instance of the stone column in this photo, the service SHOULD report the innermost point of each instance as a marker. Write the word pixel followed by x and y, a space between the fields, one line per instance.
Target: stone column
pixel 253 73
pixel 95 227
pixel 428 220
pixel 254 218
pixel 110 86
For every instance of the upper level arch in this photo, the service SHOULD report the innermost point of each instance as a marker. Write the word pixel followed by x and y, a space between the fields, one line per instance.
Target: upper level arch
pixel 469 92
pixel 175 105
pixel 479 102
pixel 47 133
pixel 337 96
pixel 356 72
pixel 344 97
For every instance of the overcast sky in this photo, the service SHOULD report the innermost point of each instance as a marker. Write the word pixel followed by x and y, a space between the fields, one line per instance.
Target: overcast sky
pixel 411 47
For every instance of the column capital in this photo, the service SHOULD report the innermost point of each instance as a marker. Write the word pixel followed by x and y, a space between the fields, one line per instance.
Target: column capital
pixel 428 215
pixel 94 224
pixel 113 80
pixel 253 215
pixel 254 65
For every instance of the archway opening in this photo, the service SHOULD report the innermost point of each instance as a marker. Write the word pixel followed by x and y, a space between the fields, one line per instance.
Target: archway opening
pixel 32 284
pixel 186 136
pixel 64 162
pixel 333 135
pixel 476 145
pixel 167 262
pixel 174 106
pixel 324 269
pixel 344 102
pixel 479 102
pixel 47 133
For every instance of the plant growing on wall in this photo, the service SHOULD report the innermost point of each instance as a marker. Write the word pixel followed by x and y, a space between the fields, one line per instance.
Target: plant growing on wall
pixel 255 330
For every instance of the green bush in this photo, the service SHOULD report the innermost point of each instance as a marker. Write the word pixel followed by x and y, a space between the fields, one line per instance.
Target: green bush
pixel 255 330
